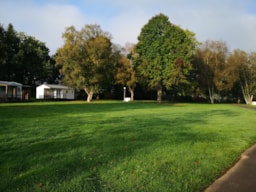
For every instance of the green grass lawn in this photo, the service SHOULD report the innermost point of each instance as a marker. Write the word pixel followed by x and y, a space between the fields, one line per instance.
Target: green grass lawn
pixel 116 146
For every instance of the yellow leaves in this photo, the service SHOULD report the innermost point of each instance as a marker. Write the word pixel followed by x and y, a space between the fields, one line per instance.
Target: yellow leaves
pixel 124 73
pixel 85 56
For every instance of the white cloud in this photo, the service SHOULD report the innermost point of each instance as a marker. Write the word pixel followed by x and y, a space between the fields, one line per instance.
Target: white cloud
pixel 46 23
pixel 226 20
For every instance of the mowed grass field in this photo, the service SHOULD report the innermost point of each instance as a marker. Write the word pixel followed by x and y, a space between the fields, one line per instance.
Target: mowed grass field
pixel 122 147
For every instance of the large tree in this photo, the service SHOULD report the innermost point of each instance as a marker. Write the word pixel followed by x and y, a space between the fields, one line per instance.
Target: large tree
pixel 23 58
pixel 164 52
pixel 244 72
pixel 9 49
pixel 35 64
pixel 86 59
pixel 213 70
pixel 2 52
pixel 248 79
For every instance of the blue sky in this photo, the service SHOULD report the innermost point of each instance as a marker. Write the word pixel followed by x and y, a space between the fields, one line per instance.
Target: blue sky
pixel 233 21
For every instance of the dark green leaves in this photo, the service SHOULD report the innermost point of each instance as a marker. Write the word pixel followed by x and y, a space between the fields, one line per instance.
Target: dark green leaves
pixel 23 58
pixel 164 53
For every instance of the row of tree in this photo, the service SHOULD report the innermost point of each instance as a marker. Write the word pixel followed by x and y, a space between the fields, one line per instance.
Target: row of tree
pixel 221 73
pixel 167 59
pixel 160 61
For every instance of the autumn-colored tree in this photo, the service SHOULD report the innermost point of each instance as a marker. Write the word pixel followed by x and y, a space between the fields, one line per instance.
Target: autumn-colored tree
pixel 244 70
pixel 248 78
pixel 124 71
pixel 86 58
pixel 213 71
pixel 164 53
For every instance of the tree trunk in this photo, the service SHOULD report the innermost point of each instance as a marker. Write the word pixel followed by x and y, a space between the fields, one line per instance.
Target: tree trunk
pixel 89 93
pixel 89 97
pixel 246 94
pixel 211 93
pixel 211 96
pixel 159 95
pixel 132 93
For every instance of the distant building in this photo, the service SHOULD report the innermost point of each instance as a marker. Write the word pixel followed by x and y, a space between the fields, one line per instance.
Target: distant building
pixel 51 91
pixel 10 90
pixel 253 100
pixel 14 91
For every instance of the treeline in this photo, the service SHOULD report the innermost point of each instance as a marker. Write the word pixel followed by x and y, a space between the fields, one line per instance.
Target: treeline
pixel 24 59
pixel 223 75
pixel 167 61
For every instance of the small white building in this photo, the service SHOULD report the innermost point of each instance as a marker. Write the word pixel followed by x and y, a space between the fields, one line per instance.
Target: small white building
pixel 50 91
pixel 10 90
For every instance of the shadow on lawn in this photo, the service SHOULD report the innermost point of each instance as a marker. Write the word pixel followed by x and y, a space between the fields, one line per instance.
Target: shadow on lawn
pixel 46 110
pixel 78 157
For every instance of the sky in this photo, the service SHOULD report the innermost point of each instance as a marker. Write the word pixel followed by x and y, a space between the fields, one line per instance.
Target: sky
pixel 232 21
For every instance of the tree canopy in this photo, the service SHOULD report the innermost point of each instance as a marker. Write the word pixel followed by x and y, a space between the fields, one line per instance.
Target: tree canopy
pixel 244 72
pixel 23 58
pixel 164 53
pixel 212 67
pixel 86 59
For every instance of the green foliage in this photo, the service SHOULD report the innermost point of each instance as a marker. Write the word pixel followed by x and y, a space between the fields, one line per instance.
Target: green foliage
pixel 9 49
pixel 36 64
pixel 114 146
pixel 164 53
pixel 86 59
pixel 23 58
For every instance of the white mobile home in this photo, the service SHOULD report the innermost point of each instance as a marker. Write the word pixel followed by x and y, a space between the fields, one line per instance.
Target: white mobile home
pixel 50 91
